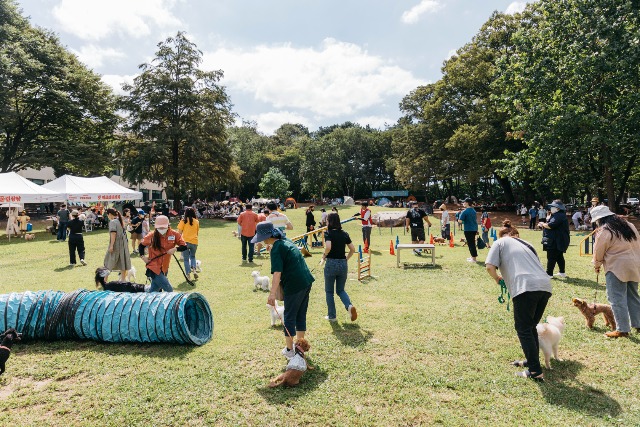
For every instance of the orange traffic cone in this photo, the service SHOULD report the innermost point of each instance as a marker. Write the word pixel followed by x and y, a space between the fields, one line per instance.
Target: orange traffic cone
pixel 391 250
pixel 431 240
pixel 451 243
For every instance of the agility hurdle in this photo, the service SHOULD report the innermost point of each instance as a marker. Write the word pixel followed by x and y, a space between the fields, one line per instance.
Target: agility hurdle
pixel 586 244
pixel 364 265
pixel 301 243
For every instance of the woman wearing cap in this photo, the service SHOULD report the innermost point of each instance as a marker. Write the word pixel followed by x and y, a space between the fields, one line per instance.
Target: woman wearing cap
pixel 161 245
pixel 555 238
pixel 290 272
pixel 76 241
pixel 468 217
pixel 189 227
pixel 117 257
pixel 617 249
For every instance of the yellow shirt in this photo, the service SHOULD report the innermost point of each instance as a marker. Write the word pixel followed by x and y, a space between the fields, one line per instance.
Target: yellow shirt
pixel 189 232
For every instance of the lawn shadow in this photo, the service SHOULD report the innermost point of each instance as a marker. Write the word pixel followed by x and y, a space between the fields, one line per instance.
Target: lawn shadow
pixel 424 265
pixel 561 388
pixel 584 283
pixel 284 395
pixel 65 268
pixel 350 334
pixel 152 350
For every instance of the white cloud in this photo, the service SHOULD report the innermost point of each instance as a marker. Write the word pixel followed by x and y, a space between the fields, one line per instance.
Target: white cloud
pixel 338 79
pixel 412 15
pixel 376 122
pixel 515 7
pixel 95 20
pixel 268 123
pixel 115 81
pixel 94 56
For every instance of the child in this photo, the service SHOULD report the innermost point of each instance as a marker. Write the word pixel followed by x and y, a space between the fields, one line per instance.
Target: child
pixel 145 226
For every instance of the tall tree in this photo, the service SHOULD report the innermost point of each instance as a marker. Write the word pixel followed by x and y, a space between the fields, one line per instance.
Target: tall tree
pixel 54 111
pixel 321 167
pixel 249 149
pixel 274 184
pixel 177 116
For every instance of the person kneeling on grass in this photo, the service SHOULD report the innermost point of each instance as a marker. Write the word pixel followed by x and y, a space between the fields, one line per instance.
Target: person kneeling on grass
pixel 529 286
pixel 290 272
pixel 161 244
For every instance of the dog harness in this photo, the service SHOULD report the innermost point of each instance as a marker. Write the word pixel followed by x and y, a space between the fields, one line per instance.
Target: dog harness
pixel 9 350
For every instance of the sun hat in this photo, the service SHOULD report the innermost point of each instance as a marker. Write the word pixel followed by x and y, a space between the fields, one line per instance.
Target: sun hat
pixel 162 221
pixel 558 204
pixel 264 230
pixel 600 212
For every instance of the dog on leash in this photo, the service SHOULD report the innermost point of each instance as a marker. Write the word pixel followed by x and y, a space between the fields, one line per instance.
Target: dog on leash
pixel 198 266
pixel 590 311
pixel 8 338
pixel 260 282
pixel 296 367
pixel 549 335
pixel 277 313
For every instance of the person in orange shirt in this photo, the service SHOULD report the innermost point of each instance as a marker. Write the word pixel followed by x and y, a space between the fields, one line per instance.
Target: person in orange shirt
pixel 248 220
pixel 161 244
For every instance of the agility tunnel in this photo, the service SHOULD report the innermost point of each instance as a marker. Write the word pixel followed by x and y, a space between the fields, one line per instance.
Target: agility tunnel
pixel 167 317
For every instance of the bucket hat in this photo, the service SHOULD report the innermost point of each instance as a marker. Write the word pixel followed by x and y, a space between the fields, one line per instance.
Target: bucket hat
pixel 600 212
pixel 264 230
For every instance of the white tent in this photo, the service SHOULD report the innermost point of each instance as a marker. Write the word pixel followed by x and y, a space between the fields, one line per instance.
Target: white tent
pixel 348 201
pixel 99 189
pixel 18 189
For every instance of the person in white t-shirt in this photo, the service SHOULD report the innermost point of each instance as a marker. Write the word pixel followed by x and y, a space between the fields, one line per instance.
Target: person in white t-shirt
pixel 278 219
pixel 576 218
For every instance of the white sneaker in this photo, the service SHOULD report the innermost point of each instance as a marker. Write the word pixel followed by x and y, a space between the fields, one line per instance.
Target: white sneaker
pixel 561 275
pixel 83 262
pixel 471 260
pixel 288 353
pixel 330 319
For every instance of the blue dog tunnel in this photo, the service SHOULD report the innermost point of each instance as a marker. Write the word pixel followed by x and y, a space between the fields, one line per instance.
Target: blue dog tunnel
pixel 171 317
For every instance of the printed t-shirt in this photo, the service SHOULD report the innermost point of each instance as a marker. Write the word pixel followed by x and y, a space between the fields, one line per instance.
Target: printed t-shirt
pixel 415 218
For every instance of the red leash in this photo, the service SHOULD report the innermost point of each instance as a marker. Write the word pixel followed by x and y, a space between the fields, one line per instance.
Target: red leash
pixel 273 307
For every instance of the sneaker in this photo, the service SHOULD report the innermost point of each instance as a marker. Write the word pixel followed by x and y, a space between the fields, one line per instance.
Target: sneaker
pixel 330 319
pixel 288 353
pixel 353 312
pixel 195 275
pixel 417 252
pixel 73 264
pixel 563 275
pixel 616 334
pixel 189 276
pixel 83 262
pixel 471 260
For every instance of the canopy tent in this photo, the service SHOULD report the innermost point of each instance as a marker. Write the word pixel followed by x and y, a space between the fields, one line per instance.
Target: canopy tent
pixel 99 189
pixel 348 201
pixel 291 203
pixel 383 201
pixel 18 189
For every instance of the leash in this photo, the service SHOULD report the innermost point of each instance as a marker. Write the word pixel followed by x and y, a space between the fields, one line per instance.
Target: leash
pixel 273 307
pixel 503 291
pixel 183 273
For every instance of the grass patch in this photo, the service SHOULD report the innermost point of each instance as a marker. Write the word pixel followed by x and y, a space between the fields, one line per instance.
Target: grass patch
pixel 430 347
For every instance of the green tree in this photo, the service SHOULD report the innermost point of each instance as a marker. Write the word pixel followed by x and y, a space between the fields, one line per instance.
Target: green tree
pixel 274 184
pixel 249 149
pixel 177 119
pixel 285 147
pixel 321 167
pixel 54 111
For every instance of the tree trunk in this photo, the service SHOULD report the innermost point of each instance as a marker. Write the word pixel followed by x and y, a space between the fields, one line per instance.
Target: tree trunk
pixel 507 189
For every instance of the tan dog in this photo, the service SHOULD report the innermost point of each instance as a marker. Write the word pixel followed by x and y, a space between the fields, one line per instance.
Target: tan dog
pixel 440 240
pixel 463 241
pixel 589 311
pixel 296 368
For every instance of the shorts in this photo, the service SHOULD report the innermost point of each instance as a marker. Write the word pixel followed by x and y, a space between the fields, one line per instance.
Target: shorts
pixel 417 234
pixel 136 236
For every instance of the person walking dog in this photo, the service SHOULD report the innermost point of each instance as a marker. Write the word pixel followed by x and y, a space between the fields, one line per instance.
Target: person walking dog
pixel 161 245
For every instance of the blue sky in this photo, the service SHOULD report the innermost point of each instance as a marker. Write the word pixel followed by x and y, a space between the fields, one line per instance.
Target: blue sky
pixel 317 62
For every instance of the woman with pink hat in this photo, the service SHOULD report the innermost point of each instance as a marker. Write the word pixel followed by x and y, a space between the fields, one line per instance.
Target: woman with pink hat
pixel 160 245
pixel 617 249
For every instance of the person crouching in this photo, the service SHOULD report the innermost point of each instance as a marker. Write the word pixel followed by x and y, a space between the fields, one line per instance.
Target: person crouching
pixel 160 245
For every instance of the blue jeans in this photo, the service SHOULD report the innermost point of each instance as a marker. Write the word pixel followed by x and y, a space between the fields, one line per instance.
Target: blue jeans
pixel 160 283
pixel 295 311
pixel 189 257
pixel 485 237
pixel 62 231
pixel 335 272
pixel 246 241
pixel 625 302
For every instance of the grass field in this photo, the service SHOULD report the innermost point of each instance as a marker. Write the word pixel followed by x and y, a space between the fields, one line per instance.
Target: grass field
pixel 430 347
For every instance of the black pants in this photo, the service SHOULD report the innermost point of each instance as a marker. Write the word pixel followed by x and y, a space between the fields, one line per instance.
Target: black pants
pixel 470 237
pixel 311 228
pixel 446 232
pixel 76 242
pixel 528 309
pixel 246 241
pixel 553 256
pixel 532 223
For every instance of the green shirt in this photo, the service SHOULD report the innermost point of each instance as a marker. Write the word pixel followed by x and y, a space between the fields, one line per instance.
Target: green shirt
pixel 287 259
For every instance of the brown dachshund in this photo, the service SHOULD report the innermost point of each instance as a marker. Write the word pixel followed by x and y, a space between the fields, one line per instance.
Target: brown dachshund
pixel 291 377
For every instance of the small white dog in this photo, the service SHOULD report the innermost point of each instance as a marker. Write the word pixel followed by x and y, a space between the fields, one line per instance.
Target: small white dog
pixel 198 266
pixel 549 335
pixel 131 275
pixel 279 310
pixel 260 282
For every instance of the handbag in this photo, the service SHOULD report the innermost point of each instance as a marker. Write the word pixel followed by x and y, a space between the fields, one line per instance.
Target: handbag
pixel 480 243
pixel 547 242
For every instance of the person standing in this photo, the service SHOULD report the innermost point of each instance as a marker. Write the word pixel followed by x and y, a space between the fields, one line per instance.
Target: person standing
pixel 189 228
pixel 486 227
pixel 533 216
pixel 136 230
pixel 23 220
pixel 542 214
pixel 12 222
pixel 468 219
pixel 323 217
pixel 248 220
pixel 336 267
pixel 292 276
pixel 310 223
pixel 117 256
pixel 278 219
pixel 414 221
pixel 367 225
pixel 445 224
pixel 63 219
pixel 555 238
pixel 76 241
pixel 617 250
pixel 160 245
pixel 529 287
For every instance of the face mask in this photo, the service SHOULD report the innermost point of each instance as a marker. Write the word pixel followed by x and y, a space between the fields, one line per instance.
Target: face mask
pixel 554 210
pixel 162 231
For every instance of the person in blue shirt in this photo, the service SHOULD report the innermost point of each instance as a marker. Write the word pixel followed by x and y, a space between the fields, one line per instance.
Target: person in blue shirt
pixel 533 217
pixel 468 219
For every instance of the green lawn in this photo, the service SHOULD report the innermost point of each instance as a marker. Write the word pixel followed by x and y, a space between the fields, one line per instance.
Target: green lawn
pixel 431 347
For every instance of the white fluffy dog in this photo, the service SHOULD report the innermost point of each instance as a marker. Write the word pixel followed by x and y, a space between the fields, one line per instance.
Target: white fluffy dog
pixel 279 310
pixel 131 275
pixel 549 335
pixel 260 282
pixel 198 266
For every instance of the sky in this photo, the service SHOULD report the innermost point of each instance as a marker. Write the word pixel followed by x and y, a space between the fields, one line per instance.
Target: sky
pixel 317 63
